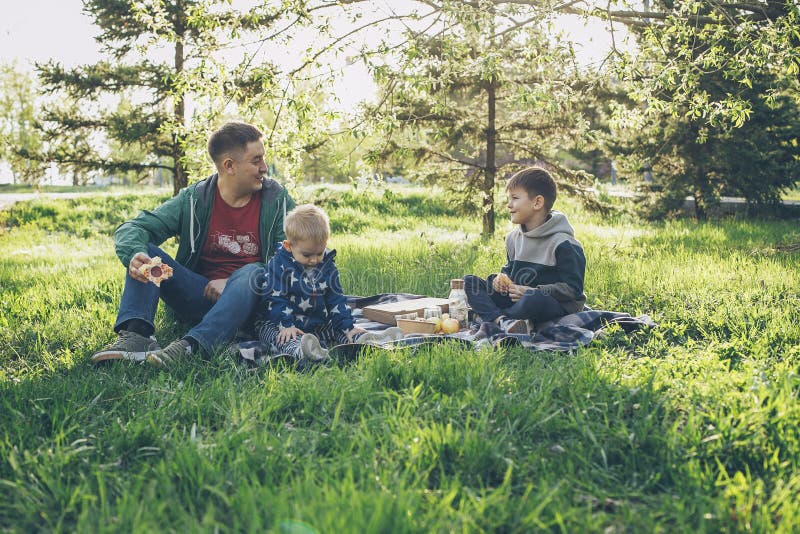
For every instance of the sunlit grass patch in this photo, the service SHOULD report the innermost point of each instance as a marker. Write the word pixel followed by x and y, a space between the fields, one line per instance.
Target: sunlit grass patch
pixel 691 426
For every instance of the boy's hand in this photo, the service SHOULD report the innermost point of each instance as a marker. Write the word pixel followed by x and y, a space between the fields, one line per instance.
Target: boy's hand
pixel 515 292
pixel 355 331
pixel 286 334
pixel 501 283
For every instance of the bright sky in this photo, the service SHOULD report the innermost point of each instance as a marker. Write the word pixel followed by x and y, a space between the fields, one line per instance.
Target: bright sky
pixel 39 30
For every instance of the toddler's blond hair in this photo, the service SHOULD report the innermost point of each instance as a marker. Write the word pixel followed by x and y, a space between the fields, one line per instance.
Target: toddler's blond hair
pixel 307 222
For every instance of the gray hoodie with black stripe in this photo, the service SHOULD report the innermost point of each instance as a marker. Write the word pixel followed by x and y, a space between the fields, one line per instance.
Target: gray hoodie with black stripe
pixel 549 258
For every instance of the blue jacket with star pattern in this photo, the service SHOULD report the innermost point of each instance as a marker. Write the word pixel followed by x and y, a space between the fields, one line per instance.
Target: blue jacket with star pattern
pixel 305 298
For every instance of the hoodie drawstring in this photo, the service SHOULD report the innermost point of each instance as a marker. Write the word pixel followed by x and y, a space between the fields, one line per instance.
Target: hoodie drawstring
pixel 192 202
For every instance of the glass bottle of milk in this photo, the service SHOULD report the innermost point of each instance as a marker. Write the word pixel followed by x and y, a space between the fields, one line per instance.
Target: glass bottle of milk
pixel 457 302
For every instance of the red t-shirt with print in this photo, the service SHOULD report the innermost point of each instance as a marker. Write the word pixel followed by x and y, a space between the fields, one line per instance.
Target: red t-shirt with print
pixel 232 241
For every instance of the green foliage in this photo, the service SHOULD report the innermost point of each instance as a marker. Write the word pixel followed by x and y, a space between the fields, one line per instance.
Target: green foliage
pixel 151 121
pixel 306 139
pixel 18 133
pixel 478 99
pixel 737 137
pixel 689 427
pixel 690 41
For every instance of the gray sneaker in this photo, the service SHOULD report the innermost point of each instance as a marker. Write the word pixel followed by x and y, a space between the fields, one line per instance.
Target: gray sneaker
pixel 178 350
pixel 513 326
pixel 128 346
pixel 312 349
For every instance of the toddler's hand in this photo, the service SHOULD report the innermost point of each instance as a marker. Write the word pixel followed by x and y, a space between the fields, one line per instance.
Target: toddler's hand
pixel 287 334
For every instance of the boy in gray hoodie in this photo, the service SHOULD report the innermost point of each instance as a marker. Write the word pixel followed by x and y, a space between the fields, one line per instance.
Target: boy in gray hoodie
pixel 543 279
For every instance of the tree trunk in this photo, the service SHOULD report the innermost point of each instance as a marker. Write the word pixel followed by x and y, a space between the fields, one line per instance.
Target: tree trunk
pixel 491 170
pixel 700 212
pixel 180 180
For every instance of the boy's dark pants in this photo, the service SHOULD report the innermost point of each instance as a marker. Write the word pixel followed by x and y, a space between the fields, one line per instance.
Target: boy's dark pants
pixel 490 304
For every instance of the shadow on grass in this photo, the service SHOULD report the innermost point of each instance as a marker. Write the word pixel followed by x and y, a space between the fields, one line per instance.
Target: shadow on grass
pixel 401 440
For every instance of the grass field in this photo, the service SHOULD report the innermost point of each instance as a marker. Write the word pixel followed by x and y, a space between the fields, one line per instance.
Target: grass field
pixel 792 194
pixel 691 427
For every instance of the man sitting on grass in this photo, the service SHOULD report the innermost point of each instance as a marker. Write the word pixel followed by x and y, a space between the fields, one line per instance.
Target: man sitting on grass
pixel 228 225
pixel 543 279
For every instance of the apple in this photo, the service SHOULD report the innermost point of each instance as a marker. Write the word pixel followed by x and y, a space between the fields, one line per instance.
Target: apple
pixel 450 326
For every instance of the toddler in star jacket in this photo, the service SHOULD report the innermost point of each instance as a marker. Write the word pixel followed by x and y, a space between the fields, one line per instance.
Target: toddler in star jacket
pixel 304 307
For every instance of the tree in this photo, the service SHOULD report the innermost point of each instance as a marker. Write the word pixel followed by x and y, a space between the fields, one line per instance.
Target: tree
pixel 745 145
pixel 299 129
pixel 160 54
pixel 757 160
pixel 761 32
pixel 18 132
pixel 478 99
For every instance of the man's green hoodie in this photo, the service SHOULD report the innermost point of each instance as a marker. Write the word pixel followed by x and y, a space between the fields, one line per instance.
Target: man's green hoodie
pixel 187 216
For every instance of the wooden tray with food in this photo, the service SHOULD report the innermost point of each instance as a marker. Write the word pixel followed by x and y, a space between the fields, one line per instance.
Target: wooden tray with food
pixel 386 313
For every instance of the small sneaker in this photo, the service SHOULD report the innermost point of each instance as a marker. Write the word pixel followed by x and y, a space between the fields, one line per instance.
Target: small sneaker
pixel 312 349
pixel 513 326
pixel 392 333
pixel 178 350
pixel 487 330
pixel 128 346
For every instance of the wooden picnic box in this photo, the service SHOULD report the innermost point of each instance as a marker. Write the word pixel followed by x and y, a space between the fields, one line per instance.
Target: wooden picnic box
pixel 416 326
pixel 385 313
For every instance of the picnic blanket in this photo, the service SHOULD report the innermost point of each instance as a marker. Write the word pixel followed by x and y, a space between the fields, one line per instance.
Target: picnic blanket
pixel 565 334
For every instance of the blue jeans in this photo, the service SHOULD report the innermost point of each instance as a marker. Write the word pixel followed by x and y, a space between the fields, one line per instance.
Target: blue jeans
pixel 215 322
pixel 489 304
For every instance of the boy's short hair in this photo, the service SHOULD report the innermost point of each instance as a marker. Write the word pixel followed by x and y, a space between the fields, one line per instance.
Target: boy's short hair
pixel 535 181
pixel 231 136
pixel 307 222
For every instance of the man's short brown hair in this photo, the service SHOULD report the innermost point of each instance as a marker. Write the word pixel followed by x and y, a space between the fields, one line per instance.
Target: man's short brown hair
pixel 231 136
pixel 535 181
pixel 307 222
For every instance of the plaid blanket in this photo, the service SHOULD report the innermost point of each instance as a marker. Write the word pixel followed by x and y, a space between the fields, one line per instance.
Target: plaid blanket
pixel 565 334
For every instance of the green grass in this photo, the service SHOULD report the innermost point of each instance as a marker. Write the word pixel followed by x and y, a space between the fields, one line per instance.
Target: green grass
pixel 606 190
pixel 792 194
pixel 693 426
pixel 28 188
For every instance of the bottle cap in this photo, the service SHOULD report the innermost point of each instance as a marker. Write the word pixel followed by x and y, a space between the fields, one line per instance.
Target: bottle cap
pixel 457 283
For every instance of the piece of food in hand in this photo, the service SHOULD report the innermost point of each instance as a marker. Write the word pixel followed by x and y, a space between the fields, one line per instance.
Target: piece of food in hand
pixel 155 271
pixel 504 282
